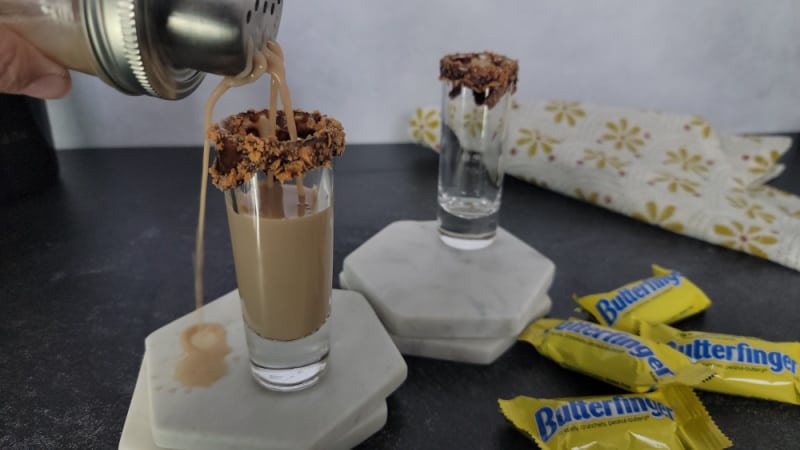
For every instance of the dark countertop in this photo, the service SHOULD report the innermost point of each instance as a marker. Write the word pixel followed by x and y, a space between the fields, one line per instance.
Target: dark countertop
pixel 93 265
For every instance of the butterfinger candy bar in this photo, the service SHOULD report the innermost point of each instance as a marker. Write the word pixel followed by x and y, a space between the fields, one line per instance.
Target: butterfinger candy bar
pixel 666 297
pixel 672 418
pixel 625 360
pixel 743 366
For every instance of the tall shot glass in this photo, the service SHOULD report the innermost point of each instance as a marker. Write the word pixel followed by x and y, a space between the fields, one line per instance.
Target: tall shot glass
pixel 282 239
pixel 476 99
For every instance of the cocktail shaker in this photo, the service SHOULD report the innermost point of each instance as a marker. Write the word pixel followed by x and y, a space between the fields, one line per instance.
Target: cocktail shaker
pixel 160 48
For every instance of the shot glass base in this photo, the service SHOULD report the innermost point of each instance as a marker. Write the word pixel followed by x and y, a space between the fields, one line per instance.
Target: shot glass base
pixel 288 366
pixel 291 379
pixel 467 233
pixel 462 242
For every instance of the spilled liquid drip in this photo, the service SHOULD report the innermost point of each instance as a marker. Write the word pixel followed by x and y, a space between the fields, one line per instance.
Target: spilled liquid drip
pixel 205 344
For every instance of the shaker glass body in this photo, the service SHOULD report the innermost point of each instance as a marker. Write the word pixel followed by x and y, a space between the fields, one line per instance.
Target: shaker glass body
pixel 55 27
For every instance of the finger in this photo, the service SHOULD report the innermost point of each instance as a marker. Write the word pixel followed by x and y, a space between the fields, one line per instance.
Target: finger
pixel 27 71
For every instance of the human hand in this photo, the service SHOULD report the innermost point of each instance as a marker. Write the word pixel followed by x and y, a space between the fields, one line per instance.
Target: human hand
pixel 27 71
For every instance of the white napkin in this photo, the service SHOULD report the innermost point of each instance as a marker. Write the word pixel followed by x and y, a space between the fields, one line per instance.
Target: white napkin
pixel 669 170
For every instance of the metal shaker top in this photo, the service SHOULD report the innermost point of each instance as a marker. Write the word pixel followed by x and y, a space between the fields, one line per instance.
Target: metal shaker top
pixel 162 47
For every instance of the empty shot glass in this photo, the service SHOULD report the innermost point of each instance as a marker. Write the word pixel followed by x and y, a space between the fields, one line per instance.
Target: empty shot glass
pixel 476 99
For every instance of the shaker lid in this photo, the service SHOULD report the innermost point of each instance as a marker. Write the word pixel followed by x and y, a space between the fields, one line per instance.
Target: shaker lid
pixel 162 47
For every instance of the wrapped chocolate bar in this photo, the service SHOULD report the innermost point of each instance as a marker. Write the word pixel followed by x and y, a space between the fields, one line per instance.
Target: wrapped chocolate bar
pixel 744 366
pixel 666 297
pixel 616 357
pixel 672 418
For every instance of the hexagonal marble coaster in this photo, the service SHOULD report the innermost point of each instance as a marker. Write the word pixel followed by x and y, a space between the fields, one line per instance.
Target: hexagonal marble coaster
pixel 421 288
pixel 467 350
pixel 474 351
pixel 363 369
pixel 137 435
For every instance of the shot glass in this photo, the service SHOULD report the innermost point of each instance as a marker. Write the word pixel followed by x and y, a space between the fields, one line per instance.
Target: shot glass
pixel 282 239
pixel 470 160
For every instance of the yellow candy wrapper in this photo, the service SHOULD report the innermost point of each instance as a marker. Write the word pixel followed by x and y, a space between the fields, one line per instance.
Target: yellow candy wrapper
pixel 625 360
pixel 667 297
pixel 743 366
pixel 672 418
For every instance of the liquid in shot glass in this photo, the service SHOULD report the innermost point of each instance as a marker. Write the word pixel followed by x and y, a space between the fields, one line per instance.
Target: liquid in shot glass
pixel 282 244
pixel 280 217
pixel 476 98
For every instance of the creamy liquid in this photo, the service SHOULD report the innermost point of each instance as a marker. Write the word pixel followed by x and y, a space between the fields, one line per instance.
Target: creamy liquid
pixel 227 83
pixel 200 368
pixel 283 262
pixel 277 70
pixel 270 61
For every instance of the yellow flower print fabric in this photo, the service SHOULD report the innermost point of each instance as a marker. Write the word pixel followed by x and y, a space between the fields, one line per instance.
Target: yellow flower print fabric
pixel 570 112
pixel 424 126
pixel 661 217
pixel 751 239
pixel 676 172
pixel 624 136
pixel 533 140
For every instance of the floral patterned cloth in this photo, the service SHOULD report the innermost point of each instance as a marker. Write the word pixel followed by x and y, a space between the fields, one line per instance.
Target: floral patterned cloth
pixel 672 171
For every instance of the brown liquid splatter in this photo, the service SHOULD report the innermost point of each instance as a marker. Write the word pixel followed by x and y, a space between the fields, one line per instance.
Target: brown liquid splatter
pixel 203 361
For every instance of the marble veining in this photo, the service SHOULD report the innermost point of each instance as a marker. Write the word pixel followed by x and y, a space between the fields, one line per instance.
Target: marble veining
pixel 364 368
pixel 137 434
pixel 421 288
pixel 468 350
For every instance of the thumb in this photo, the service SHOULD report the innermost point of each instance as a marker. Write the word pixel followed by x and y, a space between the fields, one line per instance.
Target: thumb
pixel 27 71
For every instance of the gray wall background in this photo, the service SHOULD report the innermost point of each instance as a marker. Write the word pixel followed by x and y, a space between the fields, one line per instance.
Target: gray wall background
pixel 370 63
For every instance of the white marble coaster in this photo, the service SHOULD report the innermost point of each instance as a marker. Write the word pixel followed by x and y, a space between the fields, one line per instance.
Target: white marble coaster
pixel 137 435
pixel 468 350
pixel 363 369
pixel 474 351
pixel 420 287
